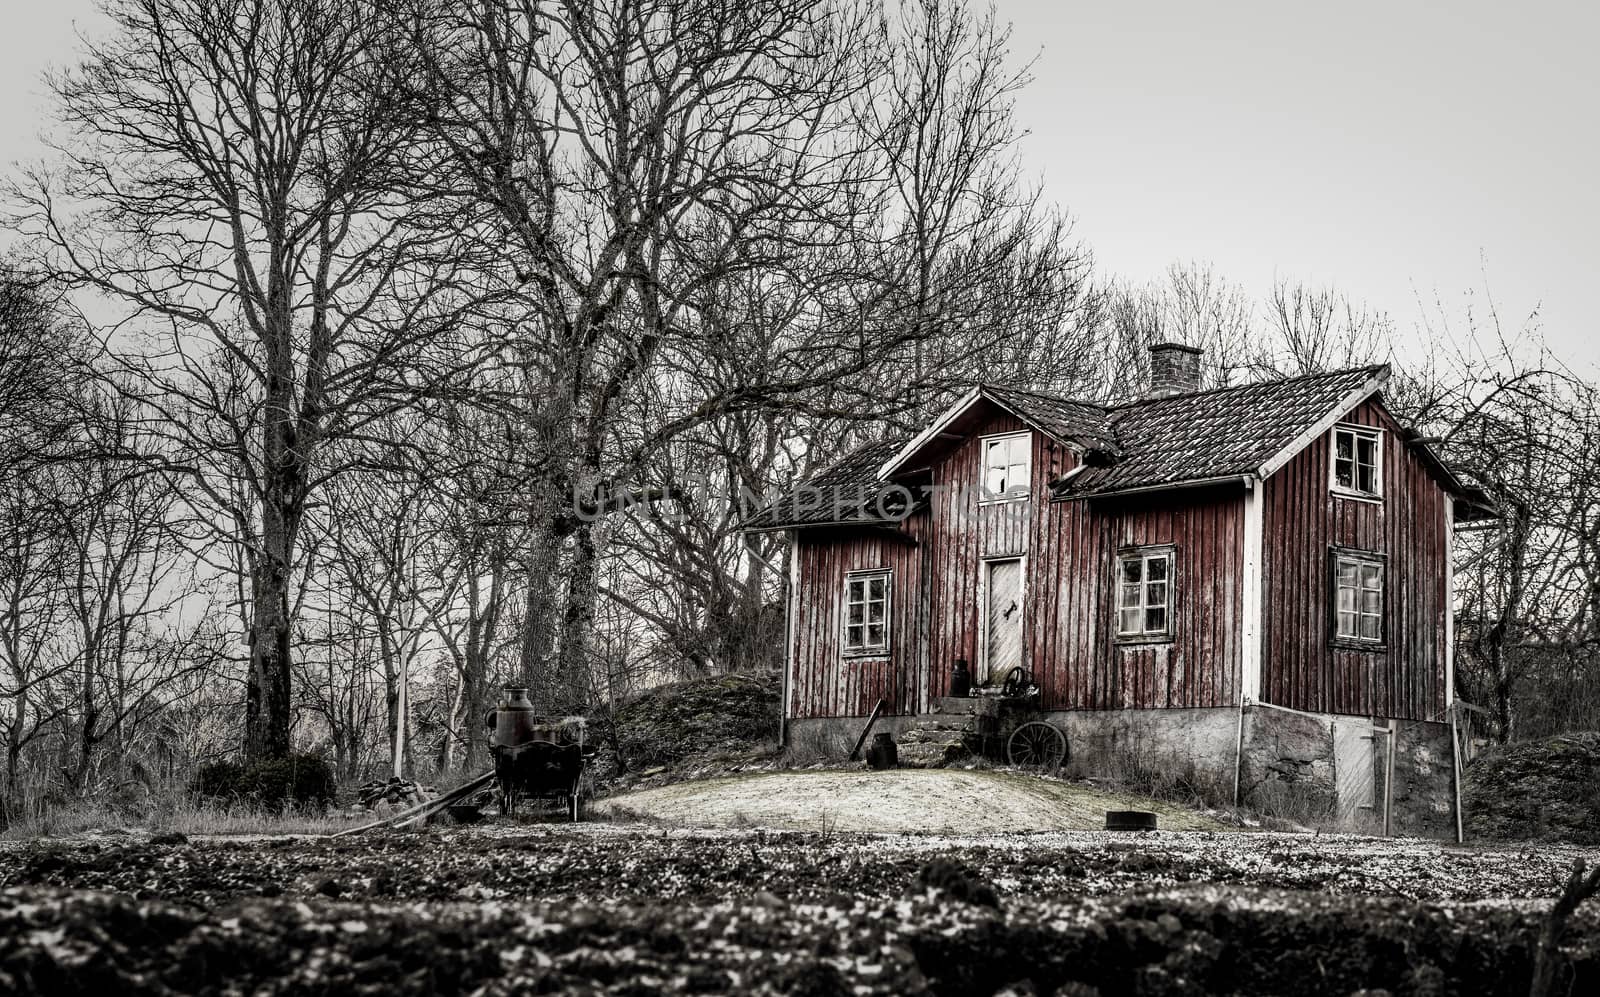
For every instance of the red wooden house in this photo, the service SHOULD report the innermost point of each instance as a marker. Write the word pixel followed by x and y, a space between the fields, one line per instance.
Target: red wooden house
pixel 1253 582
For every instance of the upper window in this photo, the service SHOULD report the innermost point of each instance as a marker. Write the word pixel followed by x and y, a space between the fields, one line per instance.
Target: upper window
pixel 1358 597
pixel 1144 593
pixel 1358 461
pixel 866 612
pixel 1005 466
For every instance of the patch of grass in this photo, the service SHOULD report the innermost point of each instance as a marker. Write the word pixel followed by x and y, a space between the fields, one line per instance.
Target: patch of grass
pixel 902 800
pixel 180 814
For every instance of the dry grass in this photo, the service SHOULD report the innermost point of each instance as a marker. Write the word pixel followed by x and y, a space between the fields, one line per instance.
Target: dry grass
pixel 182 815
pixel 897 801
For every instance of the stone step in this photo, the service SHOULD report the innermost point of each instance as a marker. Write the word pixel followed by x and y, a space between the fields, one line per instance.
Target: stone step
pixel 932 755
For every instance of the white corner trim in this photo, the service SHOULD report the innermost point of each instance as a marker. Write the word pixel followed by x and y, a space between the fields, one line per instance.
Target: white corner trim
pixel 1250 663
pixel 791 637
pixel 938 425
pixel 1327 422
pixel 1449 603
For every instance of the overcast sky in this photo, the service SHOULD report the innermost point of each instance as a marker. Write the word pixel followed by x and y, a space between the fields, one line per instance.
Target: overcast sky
pixel 1389 150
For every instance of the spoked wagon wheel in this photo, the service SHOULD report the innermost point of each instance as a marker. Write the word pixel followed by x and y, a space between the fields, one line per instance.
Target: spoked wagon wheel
pixel 1037 744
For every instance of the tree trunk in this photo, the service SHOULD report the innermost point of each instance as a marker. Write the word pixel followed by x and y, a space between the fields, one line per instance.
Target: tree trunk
pixel 267 709
pixel 577 622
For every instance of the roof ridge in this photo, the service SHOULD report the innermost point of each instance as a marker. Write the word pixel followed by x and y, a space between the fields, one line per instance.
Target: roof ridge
pixel 1368 369
pixel 1048 396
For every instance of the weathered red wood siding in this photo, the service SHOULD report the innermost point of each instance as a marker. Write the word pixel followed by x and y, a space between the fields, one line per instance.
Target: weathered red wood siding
pixel 1078 660
pixel 1302 520
pixel 1068 605
pixel 824 682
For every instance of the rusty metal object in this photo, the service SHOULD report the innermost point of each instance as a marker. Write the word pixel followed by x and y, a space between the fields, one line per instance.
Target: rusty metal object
pixel 1037 744
pixel 1130 820
pixel 883 754
pixel 514 719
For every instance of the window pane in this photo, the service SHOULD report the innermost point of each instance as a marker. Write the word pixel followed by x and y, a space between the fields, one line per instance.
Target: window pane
pixel 1130 569
pixel 1344 473
pixel 1371 602
pixel 1155 619
pixel 995 481
pixel 1017 477
pixel 856 613
pixel 1018 450
pixel 1130 596
pixel 1347 574
pixel 855 590
pixel 1347 624
pixel 1347 600
pixel 1365 481
pixel 1129 623
pixel 1369 627
pixel 1155 568
pixel 853 636
pixel 875 635
pixel 1155 594
pixel 1367 451
pixel 875 588
pixel 1342 444
pixel 1371 576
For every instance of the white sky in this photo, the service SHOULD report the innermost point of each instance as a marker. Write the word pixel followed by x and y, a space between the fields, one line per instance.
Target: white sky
pixel 1389 149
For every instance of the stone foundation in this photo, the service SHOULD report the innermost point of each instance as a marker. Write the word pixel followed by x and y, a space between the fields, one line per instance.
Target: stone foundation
pixel 1285 761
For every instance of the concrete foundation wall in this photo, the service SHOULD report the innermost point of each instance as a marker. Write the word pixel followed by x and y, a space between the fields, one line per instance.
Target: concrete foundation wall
pixel 831 738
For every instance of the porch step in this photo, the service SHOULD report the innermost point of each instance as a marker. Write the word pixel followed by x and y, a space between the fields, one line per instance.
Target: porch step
pixel 935 741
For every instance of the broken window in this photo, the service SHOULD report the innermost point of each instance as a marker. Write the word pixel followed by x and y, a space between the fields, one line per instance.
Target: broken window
pixel 1357 461
pixel 1358 597
pixel 866 612
pixel 1006 466
pixel 1144 593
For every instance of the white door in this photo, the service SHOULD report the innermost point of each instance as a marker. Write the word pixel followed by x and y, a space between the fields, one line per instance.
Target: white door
pixel 1002 645
pixel 1354 769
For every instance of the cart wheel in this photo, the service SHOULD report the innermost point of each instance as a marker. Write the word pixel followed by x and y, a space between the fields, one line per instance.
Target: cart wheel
pixel 1037 744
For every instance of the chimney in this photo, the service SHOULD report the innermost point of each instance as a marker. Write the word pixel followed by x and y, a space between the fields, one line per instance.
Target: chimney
pixel 1174 370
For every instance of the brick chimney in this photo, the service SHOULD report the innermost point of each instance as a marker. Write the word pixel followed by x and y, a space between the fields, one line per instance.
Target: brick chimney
pixel 1174 369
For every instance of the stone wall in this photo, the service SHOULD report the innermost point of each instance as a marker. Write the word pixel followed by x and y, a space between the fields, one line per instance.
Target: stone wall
pixel 1423 802
pixel 1286 765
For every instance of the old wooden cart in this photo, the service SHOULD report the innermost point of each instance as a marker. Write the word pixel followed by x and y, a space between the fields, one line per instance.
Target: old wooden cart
pixel 537 757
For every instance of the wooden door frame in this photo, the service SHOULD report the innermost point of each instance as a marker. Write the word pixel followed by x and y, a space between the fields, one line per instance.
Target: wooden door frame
pixel 984 563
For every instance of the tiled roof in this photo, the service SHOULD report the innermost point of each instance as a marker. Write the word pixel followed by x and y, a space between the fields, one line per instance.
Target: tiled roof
pixel 1215 434
pixel 1084 423
pixel 843 492
pixel 1149 443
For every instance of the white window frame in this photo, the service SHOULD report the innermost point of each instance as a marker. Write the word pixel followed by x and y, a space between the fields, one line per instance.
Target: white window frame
pixel 1144 556
pixel 1361 560
pixel 865 648
pixel 1011 494
pixel 1356 434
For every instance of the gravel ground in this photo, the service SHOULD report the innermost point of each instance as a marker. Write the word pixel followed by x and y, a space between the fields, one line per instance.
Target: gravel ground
pixel 607 908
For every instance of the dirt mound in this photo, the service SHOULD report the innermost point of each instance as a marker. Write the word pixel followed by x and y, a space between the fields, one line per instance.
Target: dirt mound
pixel 1545 790
pixel 688 725
pixel 902 800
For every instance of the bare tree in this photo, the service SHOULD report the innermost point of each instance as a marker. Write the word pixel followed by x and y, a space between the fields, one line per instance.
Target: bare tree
pixel 240 176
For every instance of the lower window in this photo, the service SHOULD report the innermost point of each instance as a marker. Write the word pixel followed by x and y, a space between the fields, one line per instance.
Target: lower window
pixel 1358 597
pixel 1144 593
pixel 866 612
